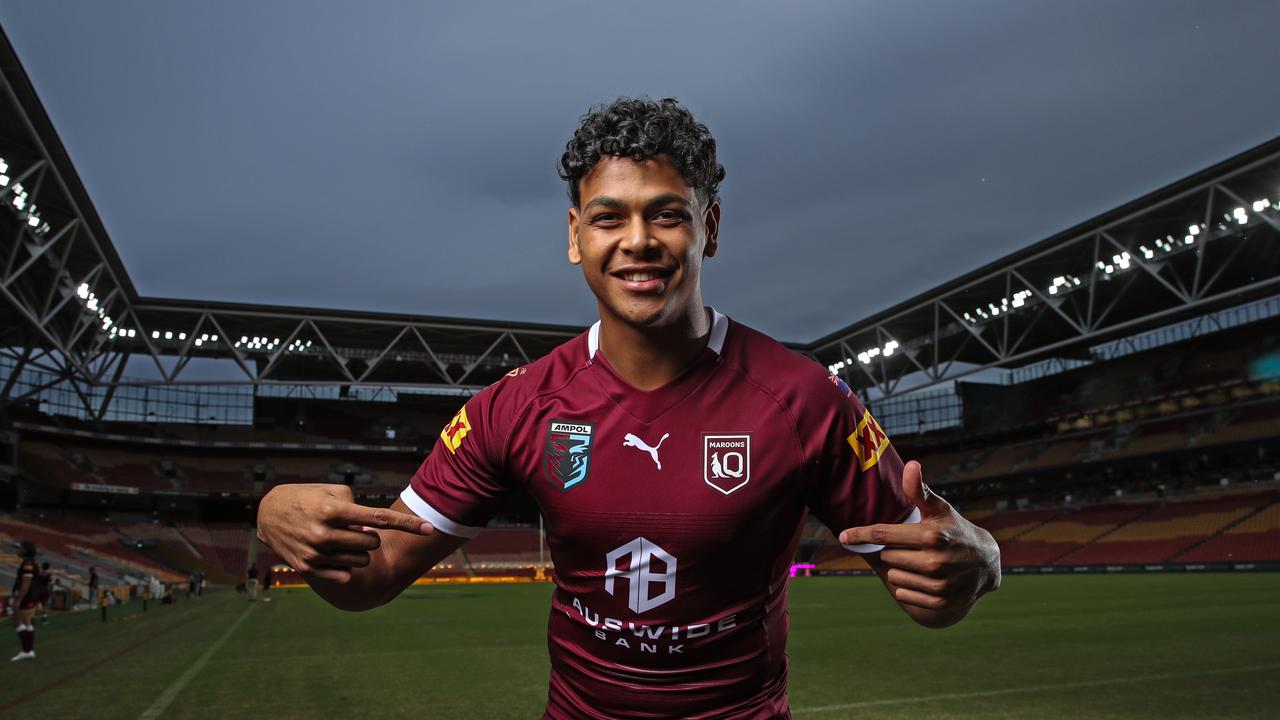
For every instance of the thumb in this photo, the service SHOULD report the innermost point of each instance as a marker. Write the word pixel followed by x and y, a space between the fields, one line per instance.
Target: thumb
pixel 919 494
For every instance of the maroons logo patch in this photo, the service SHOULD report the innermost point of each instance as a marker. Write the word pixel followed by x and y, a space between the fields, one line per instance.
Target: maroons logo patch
pixel 568 460
pixel 726 461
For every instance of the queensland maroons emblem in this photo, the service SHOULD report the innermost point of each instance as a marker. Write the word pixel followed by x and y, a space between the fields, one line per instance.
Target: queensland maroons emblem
pixel 568 453
pixel 726 461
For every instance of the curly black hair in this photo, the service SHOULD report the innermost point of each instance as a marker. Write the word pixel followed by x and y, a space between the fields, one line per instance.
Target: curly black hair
pixel 640 128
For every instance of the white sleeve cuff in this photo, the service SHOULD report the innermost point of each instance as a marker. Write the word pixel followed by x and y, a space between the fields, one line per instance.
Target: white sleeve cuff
pixel 423 510
pixel 864 548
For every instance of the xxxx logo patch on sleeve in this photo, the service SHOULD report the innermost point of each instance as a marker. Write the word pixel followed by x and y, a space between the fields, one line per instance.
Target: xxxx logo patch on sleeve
pixel 456 430
pixel 868 441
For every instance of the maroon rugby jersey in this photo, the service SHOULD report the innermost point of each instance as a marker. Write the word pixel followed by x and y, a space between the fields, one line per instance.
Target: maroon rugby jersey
pixel 672 515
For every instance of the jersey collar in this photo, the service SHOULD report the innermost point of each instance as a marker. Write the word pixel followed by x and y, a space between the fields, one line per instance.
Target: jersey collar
pixel 715 343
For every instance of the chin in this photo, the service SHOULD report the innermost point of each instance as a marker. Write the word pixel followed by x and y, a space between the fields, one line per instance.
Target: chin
pixel 642 314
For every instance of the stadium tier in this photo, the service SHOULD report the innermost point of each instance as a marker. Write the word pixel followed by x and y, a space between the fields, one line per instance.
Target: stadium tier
pixel 1255 539
pixel 65 462
pixel 1162 533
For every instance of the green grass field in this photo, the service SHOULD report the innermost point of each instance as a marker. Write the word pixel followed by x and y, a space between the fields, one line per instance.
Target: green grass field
pixel 1127 646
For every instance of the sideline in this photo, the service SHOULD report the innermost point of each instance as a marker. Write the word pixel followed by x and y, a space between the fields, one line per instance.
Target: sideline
pixel 166 698
pixel 184 619
pixel 1037 688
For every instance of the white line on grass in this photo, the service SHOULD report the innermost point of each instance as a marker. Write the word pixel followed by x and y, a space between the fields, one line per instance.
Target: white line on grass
pixel 166 698
pixel 1036 688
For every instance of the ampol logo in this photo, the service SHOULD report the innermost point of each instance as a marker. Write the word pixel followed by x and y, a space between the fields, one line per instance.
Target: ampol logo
pixel 568 453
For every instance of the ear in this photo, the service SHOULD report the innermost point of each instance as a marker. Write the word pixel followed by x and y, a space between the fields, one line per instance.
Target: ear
pixel 575 257
pixel 711 226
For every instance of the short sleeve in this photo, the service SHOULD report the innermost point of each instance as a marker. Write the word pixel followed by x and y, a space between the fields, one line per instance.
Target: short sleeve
pixel 857 472
pixel 463 482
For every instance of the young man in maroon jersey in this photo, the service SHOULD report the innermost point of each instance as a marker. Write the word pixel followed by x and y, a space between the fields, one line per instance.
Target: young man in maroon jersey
pixel 674 454
pixel 26 589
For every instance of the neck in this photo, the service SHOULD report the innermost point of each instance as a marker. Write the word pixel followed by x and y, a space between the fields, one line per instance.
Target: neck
pixel 650 357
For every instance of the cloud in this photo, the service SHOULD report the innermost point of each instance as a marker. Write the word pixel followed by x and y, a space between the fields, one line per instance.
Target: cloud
pixel 401 157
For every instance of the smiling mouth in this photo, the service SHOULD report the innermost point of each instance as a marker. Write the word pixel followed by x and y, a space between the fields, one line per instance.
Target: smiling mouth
pixel 646 281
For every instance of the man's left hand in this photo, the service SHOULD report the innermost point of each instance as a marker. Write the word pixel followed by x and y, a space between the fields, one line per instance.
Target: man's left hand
pixel 942 564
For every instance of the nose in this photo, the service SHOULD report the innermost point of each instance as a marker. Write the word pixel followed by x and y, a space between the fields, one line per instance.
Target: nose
pixel 637 239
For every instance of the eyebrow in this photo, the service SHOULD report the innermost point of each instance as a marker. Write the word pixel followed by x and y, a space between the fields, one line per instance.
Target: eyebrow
pixel 615 204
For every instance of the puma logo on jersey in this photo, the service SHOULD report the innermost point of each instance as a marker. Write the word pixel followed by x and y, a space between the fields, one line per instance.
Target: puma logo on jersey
pixel 635 442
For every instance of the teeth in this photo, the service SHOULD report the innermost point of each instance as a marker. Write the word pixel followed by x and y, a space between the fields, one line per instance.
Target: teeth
pixel 639 277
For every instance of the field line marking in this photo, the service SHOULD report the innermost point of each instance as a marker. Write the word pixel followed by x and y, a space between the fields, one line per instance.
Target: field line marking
pixel 166 698
pixel 1036 688
pixel 183 619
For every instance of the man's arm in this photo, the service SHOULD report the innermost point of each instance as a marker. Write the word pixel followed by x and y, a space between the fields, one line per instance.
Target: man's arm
pixel 935 569
pixel 354 556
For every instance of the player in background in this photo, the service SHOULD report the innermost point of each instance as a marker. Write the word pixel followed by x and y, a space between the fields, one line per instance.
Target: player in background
pixel 252 583
pixel 44 592
pixel 25 592
pixel 93 586
pixel 674 454
pixel 267 577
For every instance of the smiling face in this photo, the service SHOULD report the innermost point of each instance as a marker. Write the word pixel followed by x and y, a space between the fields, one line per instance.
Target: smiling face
pixel 640 234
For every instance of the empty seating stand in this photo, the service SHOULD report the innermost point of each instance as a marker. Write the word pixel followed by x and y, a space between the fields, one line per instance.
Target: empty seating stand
pixel 1162 533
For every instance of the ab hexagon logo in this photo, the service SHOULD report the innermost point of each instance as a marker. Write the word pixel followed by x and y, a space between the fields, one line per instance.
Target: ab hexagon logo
pixel 641 574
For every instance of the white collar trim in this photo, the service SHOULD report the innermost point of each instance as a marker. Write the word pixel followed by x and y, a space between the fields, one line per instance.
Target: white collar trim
pixel 719 329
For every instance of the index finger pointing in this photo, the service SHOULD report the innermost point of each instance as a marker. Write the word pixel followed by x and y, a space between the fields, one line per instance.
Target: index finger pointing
pixel 385 519
pixel 913 535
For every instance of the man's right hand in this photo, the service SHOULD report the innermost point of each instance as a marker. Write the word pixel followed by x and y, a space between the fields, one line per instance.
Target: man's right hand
pixel 322 533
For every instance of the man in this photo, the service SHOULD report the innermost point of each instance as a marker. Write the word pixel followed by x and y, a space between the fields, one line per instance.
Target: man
pixel 671 554
pixel 93 585
pixel 252 584
pixel 266 584
pixel 26 596
pixel 44 591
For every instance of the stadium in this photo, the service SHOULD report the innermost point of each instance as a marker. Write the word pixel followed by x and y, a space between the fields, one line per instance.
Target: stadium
pixel 1105 401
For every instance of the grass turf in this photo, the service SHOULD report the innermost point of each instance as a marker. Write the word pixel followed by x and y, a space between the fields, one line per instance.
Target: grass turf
pixel 1120 646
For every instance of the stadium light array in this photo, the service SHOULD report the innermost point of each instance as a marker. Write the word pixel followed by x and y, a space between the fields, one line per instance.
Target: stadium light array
pixel 89 299
pixel 1062 284
pixel 20 201
pixel 865 356
pixel 268 344
pixel 1124 260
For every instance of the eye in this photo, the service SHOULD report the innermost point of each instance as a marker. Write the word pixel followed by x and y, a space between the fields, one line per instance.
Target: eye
pixel 671 217
pixel 604 219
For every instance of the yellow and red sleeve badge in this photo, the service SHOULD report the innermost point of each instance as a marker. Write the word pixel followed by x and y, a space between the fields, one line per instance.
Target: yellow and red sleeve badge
pixel 457 429
pixel 868 441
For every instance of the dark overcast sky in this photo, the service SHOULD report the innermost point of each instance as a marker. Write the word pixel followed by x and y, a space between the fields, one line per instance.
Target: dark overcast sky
pixel 399 156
